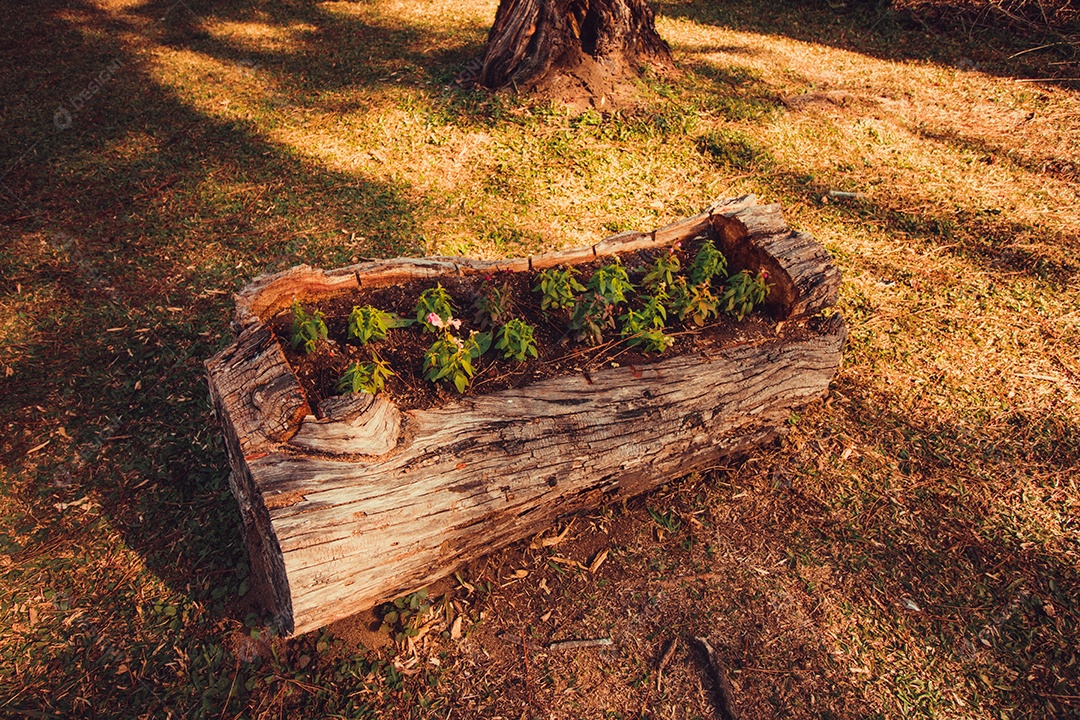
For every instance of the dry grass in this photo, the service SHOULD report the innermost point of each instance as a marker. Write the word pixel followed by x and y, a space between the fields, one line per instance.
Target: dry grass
pixel 910 550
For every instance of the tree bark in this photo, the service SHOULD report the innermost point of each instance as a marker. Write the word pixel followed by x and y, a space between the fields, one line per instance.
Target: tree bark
pixel 598 43
pixel 355 502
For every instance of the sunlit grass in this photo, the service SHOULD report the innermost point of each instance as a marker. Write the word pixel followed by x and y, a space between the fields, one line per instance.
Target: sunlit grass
pixel 261 36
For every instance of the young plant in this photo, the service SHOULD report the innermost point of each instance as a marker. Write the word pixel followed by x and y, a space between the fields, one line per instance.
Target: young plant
pixel 653 315
pixel 307 330
pixel 516 340
pixel 655 340
pixel 403 617
pixel 662 272
pixel 369 323
pixel 696 302
pixel 559 288
pixel 451 359
pixel 611 283
pixel 493 305
pixel 668 520
pixel 743 292
pixel 434 301
pixel 645 327
pixel 708 263
pixel 592 314
pixel 367 378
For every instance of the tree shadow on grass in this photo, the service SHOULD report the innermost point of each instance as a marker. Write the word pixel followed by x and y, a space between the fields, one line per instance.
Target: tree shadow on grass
pixel 131 225
pixel 333 51
pixel 931 514
pixel 877 30
pixel 987 237
pixel 988 152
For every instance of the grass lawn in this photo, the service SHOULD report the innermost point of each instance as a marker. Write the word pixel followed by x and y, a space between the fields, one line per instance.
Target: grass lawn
pixel 910 550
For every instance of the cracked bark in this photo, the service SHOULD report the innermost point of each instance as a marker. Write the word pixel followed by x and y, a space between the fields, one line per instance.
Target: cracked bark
pixel 598 42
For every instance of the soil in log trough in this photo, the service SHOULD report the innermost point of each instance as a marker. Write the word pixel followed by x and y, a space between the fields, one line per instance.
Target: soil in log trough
pixel 390 421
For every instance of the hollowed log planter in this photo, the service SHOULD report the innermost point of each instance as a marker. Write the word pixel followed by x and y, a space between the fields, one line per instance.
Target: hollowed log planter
pixel 355 502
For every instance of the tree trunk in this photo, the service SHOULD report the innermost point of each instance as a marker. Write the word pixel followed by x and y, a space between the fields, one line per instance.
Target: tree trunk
pixel 591 45
pixel 353 502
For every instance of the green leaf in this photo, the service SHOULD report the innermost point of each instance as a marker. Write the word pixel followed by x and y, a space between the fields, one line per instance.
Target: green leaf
pixel 483 341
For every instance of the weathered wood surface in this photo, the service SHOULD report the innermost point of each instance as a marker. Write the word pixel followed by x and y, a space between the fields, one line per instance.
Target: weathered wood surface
pixel 532 40
pixel 355 502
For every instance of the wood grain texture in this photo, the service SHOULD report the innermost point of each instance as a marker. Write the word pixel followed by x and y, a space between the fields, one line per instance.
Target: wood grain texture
pixel 258 390
pixel 354 502
pixel 372 431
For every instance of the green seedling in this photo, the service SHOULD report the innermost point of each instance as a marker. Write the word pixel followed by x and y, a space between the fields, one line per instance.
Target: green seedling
pixel 515 339
pixel 708 263
pixel 694 302
pixel 452 359
pixel 559 288
pixel 369 323
pixel 654 340
pixel 611 283
pixel 307 330
pixel 434 302
pixel 662 272
pixel 367 378
pixel 592 315
pixel 645 327
pixel 493 305
pixel 744 291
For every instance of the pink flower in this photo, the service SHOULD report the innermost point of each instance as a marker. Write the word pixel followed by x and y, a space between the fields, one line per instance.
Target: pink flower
pixel 456 323
pixel 435 320
pixel 457 341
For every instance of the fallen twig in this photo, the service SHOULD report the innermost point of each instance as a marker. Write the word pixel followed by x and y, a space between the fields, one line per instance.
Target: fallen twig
pixel 665 658
pixel 575 644
pixel 845 195
pixel 1040 47
pixel 1047 80
pixel 525 655
pixel 539 542
pixel 724 699
pixel 510 637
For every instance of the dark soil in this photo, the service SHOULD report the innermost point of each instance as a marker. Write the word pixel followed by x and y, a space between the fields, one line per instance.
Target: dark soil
pixel 559 353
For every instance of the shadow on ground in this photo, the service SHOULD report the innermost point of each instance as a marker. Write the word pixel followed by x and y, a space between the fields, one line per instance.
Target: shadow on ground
pixel 878 30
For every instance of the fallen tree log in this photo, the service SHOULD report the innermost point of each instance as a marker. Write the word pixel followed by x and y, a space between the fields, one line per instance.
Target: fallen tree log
pixel 354 502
